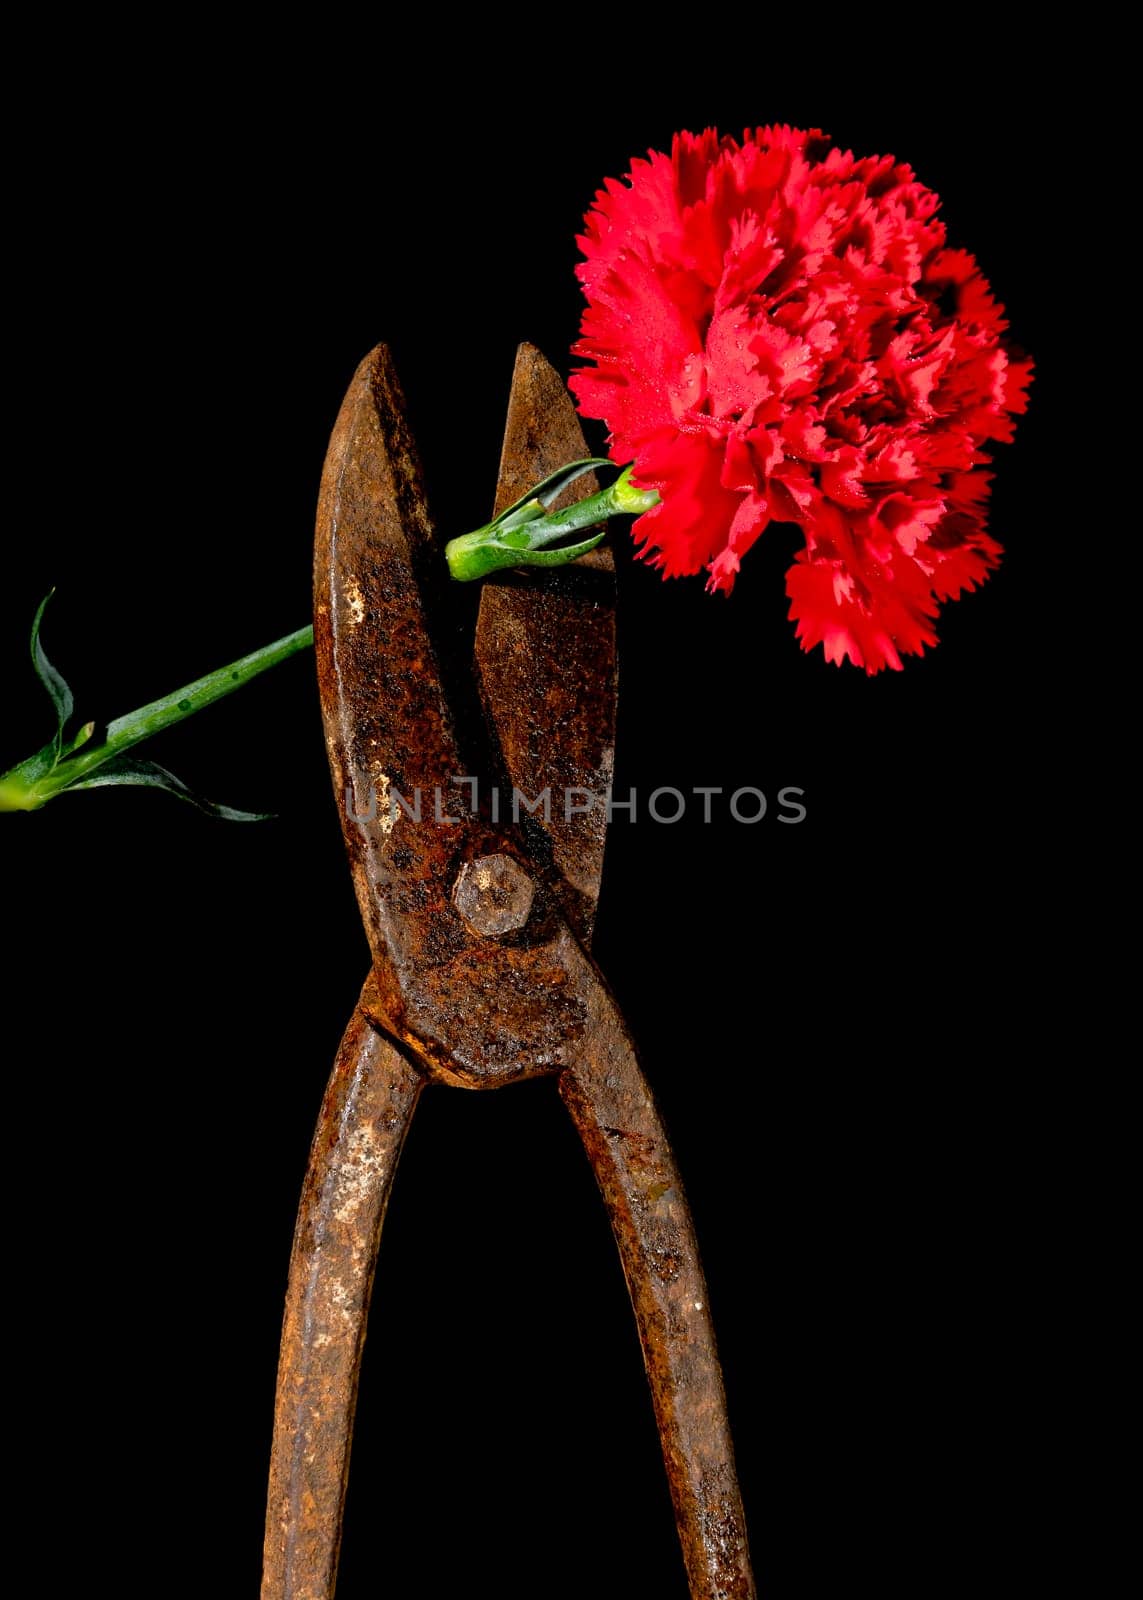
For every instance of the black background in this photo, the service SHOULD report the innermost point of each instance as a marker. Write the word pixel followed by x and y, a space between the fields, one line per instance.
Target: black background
pixel 830 1013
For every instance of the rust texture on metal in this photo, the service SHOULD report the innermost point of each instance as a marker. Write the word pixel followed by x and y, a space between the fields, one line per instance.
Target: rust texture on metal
pixel 626 1143
pixel 479 930
pixel 546 659
pixel 467 1007
pixel 494 895
pixel 364 1118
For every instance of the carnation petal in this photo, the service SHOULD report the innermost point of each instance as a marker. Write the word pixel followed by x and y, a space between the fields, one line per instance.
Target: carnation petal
pixel 777 329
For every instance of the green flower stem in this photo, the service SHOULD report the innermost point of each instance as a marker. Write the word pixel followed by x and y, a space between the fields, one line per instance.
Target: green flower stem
pixel 26 787
pixel 518 536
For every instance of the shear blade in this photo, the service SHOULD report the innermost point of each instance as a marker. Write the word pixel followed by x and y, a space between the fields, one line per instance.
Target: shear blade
pixel 546 659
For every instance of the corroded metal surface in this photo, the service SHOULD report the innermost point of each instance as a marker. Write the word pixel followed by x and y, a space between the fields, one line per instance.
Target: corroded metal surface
pixel 494 895
pixel 479 932
pixel 546 659
pixel 364 1119
pixel 469 1008
pixel 626 1143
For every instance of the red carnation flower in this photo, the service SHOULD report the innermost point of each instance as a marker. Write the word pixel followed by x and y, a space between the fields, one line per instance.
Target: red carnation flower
pixel 780 334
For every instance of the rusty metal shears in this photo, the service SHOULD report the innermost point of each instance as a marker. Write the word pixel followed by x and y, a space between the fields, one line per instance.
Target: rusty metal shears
pixel 479 928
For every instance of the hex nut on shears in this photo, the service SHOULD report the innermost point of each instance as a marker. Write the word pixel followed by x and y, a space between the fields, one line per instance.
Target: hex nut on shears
pixel 494 895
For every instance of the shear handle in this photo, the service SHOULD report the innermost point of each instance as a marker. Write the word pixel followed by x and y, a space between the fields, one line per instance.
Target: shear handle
pixel 366 1114
pixel 626 1143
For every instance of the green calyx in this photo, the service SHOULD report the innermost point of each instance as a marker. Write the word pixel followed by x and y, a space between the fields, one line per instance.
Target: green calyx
pixel 524 535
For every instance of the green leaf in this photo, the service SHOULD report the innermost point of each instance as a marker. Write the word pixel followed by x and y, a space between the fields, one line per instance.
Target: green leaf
pixel 149 775
pixel 80 739
pixel 35 767
pixel 552 486
pixel 560 555
pixel 52 681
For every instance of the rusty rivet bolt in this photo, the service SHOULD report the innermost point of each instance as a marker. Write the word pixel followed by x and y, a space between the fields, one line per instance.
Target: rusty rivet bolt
pixel 494 895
